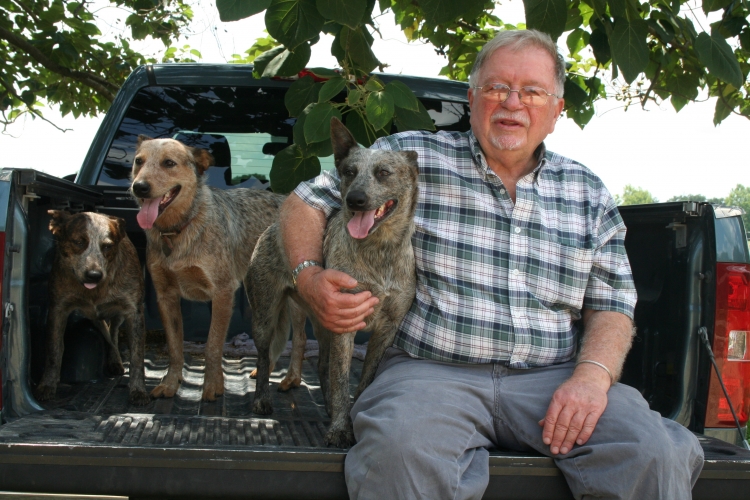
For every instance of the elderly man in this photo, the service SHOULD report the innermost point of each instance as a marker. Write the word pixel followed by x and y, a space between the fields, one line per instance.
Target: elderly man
pixel 514 244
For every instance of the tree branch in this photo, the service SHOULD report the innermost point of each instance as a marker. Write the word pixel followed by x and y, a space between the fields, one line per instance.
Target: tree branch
pixel 95 82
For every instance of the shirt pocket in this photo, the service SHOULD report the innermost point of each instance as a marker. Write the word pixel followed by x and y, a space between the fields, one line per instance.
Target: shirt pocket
pixel 558 273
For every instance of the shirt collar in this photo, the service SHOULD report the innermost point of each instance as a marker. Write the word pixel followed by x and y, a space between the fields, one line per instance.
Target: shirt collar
pixel 483 167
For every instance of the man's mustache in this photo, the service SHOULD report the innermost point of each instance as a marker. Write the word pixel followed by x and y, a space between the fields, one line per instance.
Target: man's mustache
pixel 519 117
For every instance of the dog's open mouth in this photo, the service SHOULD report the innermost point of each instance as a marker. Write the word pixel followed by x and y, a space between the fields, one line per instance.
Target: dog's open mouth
pixel 90 286
pixel 364 223
pixel 152 208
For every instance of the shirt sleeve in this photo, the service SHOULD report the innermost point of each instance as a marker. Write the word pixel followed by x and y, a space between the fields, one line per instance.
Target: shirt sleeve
pixel 610 286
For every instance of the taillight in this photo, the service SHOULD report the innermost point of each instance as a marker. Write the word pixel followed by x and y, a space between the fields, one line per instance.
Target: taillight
pixel 730 346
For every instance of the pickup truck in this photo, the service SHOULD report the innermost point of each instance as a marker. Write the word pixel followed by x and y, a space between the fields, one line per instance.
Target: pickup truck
pixel 690 262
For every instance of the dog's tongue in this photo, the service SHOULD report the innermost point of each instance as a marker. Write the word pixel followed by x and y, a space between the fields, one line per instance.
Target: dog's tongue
pixel 149 212
pixel 360 224
pixel 90 286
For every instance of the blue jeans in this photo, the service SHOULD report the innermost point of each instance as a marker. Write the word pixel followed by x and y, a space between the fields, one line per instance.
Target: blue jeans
pixel 423 429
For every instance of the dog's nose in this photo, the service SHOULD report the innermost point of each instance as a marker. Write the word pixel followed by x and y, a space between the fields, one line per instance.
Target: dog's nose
pixel 356 200
pixel 141 189
pixel 93 276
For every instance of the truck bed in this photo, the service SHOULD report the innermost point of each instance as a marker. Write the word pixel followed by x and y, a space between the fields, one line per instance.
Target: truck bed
pixel 91 441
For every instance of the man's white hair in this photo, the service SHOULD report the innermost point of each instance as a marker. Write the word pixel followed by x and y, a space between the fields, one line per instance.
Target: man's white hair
pixel 517 40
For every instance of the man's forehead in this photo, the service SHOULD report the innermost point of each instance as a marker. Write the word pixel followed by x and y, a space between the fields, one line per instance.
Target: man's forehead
pixel 533 64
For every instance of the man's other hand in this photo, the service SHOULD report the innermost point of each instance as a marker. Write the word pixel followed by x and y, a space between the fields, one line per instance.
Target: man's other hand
pixel 337 311
pixel 575 409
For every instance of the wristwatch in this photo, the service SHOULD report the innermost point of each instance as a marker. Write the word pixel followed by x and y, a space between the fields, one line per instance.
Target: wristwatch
pixel 301 266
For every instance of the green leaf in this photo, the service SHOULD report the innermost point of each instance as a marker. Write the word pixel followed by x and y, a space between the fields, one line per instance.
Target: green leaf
pixel 444 11
pixel 379 108
pixel 346 12
pixel 354 96
pixel 318 122
pixel 331 88
pixel 234 10
pixel 549 16
pixel 374 84
pixel 290 167
pixel 575 96
pixel 362 131
pixel 721 111
pixel 716 54
pixel 319 149
pixel 406 119
pixel 402 95
pixel 712 5
pixel 323 72
pixel 288 63
pixel 260 62
pixel 357 44
pixel 301 93
pixel 629 48
pixel 293 22
pixel 600 45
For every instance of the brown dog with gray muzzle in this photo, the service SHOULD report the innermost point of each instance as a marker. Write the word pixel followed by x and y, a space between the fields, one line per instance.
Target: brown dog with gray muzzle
pixel 96 272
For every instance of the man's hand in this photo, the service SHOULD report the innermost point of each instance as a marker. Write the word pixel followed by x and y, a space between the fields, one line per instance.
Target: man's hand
pixel 575 409
pixel 336 311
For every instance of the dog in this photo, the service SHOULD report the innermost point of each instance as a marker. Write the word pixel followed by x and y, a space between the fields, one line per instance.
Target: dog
pixel 199 243
pixel 95 271
pixel 370 240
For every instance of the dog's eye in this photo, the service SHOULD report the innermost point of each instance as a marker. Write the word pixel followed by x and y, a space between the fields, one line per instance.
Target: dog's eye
pixel 384 173
pixel 169 163
pixel 350 172
pixel 107 247
pixel 139 161
pixel 80 243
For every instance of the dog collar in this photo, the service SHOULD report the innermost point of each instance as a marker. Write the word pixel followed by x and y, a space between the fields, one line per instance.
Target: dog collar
pixel 301 266
pixel 166 242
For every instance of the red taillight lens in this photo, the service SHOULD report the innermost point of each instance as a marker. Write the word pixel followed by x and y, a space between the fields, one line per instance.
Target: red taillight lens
pixel 730 346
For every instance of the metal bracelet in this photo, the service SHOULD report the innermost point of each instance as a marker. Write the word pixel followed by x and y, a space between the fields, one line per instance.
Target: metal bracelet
pixel 302 265
pixel 611 378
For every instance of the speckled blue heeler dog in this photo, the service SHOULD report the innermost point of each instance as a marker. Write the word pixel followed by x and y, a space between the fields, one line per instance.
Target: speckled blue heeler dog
pixel 370 240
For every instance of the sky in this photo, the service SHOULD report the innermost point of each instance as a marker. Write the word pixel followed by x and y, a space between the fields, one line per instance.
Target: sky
pixel 657 149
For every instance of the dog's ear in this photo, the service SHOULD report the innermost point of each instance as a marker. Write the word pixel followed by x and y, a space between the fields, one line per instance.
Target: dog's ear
pixel 117 228
pixel 203 159
pixel 57 222
pixel 342 140
pixel 411 157
pixel 142 138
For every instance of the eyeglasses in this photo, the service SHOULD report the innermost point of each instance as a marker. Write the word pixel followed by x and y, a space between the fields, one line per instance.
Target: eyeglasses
pixel 532 97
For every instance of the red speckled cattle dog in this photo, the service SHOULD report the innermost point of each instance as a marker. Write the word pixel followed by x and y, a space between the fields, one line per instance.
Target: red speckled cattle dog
pixel 199 243
pixel 96 272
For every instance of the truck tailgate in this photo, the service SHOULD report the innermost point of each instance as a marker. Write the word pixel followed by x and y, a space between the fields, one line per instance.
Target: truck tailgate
pixel 91 441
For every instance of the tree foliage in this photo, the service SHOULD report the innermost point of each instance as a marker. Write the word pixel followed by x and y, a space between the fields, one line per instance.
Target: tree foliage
pixel 739 196
pixel 696 197
pixel 53 52
pixel 635 196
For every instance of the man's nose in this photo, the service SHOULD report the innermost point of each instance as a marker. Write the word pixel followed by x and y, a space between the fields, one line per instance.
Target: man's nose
pixel 513 101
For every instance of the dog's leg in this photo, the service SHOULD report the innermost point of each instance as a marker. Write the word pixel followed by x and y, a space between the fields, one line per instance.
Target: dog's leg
pixel 381 339
pixel 340 434
pixel 109 332
pixel 297 318
pixel 135 330
pixel 171 318
pixel 265 328
pixel 222 305
pixel 324 353
pixel 57 318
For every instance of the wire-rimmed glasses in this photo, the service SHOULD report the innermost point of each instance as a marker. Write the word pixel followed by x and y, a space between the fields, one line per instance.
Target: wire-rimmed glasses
pixel 533 97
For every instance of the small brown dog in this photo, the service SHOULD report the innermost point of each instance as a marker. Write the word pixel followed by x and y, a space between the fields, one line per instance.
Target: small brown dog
pixel 370 240
pixel 95 271
pixel 199 243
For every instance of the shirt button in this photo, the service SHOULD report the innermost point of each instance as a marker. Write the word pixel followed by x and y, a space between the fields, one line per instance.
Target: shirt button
pixel 517 230
pixel 502 191
pixel 515 272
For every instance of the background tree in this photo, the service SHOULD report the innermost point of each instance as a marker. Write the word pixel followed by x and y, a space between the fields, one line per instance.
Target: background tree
pixel 696 197
pixel 739 196
pixel 52 52
pixel 635 196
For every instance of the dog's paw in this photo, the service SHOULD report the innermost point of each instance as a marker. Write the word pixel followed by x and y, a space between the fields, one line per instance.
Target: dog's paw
pixel 45 392
pixel 340 438
pixel 164 391
pixel 290 383
pixel 212 390
pixel 254 373
pixel 262 406
pixel 139 397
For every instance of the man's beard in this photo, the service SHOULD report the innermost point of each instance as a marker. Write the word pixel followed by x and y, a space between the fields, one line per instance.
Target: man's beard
pixel 505 142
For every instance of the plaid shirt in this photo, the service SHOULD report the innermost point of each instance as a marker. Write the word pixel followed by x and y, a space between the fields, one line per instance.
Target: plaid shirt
pixel 498 282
